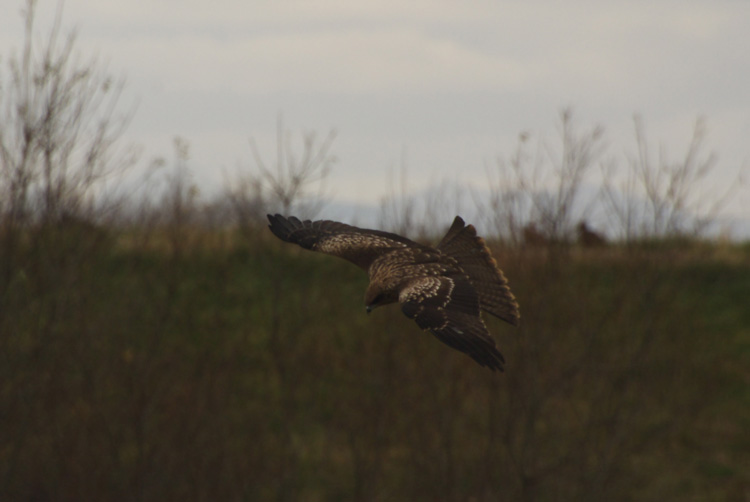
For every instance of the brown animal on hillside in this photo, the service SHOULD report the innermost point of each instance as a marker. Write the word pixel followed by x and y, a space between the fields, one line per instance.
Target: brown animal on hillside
pixel 589 238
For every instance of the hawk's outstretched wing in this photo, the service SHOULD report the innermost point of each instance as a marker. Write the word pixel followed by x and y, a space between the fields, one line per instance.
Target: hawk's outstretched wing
pixel 358 245
pixel 449 307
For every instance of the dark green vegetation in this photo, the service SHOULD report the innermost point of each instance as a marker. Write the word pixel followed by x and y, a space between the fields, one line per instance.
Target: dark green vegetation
pixel 192 368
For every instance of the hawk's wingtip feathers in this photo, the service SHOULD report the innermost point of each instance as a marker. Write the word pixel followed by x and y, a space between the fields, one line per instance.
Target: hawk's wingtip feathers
pixel 282 227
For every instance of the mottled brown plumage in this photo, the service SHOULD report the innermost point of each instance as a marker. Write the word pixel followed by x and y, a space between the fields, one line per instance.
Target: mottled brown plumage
pixel 442 288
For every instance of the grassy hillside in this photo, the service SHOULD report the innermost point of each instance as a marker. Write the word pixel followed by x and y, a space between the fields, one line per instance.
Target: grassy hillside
pixel 139 367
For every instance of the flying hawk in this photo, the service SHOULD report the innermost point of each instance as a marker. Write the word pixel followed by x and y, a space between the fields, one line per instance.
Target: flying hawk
pixel 441 288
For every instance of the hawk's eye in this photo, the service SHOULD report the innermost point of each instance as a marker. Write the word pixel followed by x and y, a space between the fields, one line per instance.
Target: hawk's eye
pixel 378 299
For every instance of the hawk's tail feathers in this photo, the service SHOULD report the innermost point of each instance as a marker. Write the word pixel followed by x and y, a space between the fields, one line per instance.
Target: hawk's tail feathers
pixel 462 243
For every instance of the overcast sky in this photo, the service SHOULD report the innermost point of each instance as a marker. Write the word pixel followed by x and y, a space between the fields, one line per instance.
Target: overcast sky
pixel 447 85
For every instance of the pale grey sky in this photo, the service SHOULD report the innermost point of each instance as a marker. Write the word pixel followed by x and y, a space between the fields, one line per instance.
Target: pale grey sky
pixel 449 83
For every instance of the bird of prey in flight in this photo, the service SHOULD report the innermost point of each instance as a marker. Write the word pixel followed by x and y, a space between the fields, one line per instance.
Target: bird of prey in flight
pixel 442 288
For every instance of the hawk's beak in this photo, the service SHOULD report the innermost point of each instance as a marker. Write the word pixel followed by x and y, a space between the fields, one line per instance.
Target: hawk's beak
pixel 369 308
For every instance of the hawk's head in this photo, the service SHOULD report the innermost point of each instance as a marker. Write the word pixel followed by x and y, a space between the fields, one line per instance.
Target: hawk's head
pixel 376 296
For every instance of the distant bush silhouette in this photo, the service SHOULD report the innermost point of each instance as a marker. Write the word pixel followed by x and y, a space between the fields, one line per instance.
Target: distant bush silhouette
pixel 588 237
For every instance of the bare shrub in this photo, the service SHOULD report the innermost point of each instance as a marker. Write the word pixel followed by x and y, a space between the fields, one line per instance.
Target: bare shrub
pixel 58 139
pixel 543 187
pixel 246 199
pixel 398 208
pixel 655 196
pixel 419 216
pixel 293 182
pixel 179 202
pixel 58 149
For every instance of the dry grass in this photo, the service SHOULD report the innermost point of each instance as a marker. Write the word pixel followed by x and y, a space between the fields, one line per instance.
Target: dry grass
pixel 249 371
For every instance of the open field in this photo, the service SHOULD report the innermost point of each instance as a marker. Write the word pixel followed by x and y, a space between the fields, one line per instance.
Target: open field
pixel 183 367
